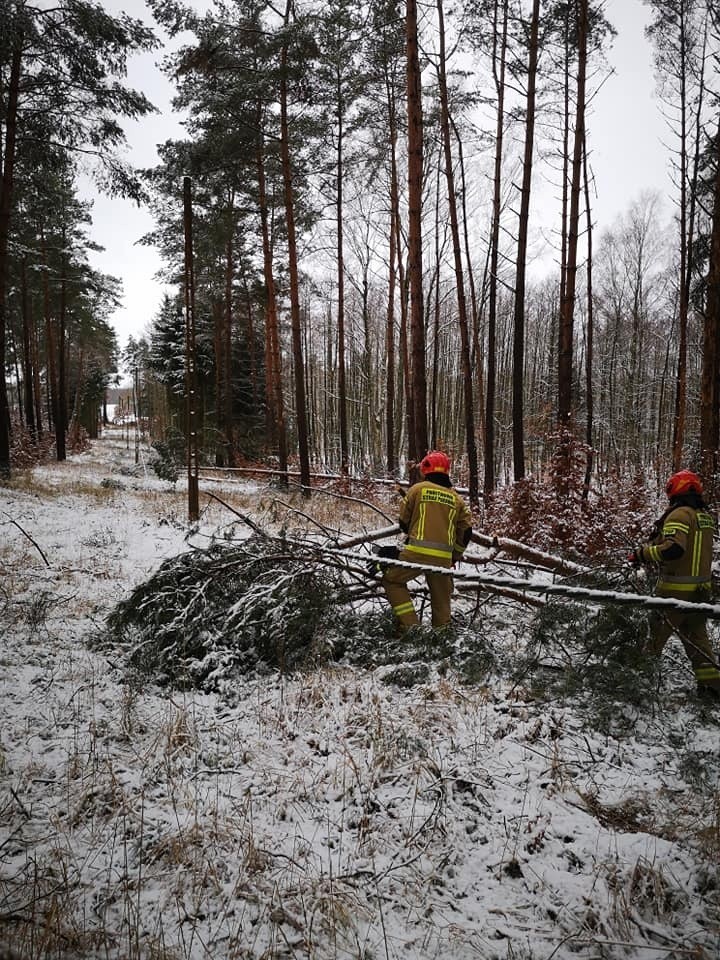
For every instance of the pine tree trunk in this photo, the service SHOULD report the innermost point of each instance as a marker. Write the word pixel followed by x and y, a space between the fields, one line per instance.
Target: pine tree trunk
pixel 519 310
pixel 61 404
pixel 342 386
pixel 27 351
pixel 590 338
pixel 6 188
pixel 390 457
pixel 710 385
pixel 35 342
pixel 499 78
pixel 226 351
pixel 681 371
pixel 567 302
pixel 276 401
pixel 50 346
pixel 418 443
pixel 295 322
pixel 470 443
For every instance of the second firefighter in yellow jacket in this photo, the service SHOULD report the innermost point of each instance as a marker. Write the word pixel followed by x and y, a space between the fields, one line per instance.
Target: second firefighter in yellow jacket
pixel 437 523
pixel 683 550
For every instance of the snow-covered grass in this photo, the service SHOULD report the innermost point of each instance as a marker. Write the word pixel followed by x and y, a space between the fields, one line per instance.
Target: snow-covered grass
pixel 328 814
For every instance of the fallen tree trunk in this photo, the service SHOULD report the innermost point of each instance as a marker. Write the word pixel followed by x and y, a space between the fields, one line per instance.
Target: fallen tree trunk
pixel 468 586
pixel 369 537
pixel 514 548
pixel 711 610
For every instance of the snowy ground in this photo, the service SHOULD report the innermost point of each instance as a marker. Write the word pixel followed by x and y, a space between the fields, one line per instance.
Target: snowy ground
pixel 326 815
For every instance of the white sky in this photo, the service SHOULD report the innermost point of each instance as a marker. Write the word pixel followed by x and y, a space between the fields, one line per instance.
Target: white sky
pixel 626 131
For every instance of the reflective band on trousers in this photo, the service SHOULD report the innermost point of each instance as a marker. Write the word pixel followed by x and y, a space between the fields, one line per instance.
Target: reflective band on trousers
pixel 403 608
pixel 684 584
pixel 707 673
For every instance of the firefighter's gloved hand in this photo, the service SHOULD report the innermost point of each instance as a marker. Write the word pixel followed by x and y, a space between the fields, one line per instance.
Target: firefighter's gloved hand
pixel 375 566
pixel 634 558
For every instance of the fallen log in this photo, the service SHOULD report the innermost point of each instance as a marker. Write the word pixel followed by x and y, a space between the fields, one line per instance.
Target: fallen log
pixel 369 537
pixel 514 548
pixel 534 585
pixel 470 586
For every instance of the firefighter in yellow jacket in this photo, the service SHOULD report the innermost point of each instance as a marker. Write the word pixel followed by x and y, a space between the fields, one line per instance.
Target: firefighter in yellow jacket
pixel 437 524
pixel 682 547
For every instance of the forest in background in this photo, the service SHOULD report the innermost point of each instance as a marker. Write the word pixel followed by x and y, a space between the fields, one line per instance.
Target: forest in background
pixel 350 226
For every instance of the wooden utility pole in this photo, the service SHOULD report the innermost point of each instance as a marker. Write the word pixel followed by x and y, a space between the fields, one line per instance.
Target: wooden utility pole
pixel 190 372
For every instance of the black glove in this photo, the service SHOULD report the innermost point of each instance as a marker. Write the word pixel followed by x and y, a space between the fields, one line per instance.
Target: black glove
pixel 375 566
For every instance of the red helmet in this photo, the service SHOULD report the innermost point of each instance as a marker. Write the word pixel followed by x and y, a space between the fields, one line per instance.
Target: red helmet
pixel 435 462
pixel 683 482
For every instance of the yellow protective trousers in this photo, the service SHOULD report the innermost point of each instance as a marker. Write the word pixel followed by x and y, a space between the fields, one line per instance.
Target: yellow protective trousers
pixel 440 586
pixel 692 630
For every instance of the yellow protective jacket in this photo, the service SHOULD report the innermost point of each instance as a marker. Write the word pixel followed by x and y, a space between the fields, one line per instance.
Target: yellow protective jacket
pixel 683 548
pixel 437 522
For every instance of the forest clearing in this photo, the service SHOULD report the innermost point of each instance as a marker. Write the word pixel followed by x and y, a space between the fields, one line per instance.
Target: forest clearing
pixel 384 801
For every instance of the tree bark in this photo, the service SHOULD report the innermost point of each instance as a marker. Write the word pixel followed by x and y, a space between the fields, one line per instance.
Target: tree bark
pixel 470 442
pixel 519 309
pixel 590 336
pixel 418 443
pixel 567 301
pixel 295 321
pixel 490 389
pixel 61 404
pixel 710 385
pixel 342 386
pixel 27 351
pixel 276 401
pixel 391 460
pixel 6 189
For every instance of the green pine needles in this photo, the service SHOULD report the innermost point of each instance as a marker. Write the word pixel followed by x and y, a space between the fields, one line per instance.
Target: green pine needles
pixel 208 614
pixel 595 653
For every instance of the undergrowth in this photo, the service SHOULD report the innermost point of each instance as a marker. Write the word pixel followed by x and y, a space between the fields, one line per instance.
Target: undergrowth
pixel 596 655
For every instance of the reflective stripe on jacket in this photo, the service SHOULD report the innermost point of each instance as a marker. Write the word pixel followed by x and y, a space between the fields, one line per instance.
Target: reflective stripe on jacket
pixel 436 520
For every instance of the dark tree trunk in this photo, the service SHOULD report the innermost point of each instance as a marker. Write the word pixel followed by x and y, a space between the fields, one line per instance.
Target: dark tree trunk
pixel 390 323
pixel 519 310
pixel 342 386
pixel 590 338
pixel 226 333
pixel 28 372
pixel 276 402
pixel 499 79
pixel 6 189
pixel 298 363
pixel 61 405
pixel 710 386
pixel 418 443
pixel 470 442
pixel 567 302
pixel 50 345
